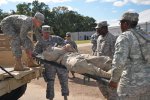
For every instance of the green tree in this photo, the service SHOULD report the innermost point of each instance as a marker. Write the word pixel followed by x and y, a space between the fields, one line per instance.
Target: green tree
pixel 24 8
pixel 60 18
pixel 31 8
pixel 43 8
pixel 40 7
pixel 65 20
pixel 3 14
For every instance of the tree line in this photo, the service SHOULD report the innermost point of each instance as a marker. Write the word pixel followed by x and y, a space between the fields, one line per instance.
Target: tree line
pixel 60 18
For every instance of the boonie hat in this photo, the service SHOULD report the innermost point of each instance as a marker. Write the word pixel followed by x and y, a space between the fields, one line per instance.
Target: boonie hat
pixel 131 16
pixel 101 24
pixel 40 17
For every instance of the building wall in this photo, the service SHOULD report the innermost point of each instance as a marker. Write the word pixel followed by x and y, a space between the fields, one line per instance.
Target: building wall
pixel 145 26
pixel 114 30
pixel 81 35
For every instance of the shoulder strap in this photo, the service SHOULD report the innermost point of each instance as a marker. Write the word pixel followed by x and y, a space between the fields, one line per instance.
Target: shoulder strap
pixel 137 36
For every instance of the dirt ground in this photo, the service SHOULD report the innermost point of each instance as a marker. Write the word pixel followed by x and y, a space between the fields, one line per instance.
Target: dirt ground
pixel 78 89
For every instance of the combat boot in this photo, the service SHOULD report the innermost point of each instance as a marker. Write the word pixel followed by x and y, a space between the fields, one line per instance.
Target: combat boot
pixel 51 99
pixel 65 98
pixel 30 62
pixel 19 66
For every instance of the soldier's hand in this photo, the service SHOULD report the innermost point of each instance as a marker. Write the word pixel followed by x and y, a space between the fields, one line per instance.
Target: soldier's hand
pixel 113 84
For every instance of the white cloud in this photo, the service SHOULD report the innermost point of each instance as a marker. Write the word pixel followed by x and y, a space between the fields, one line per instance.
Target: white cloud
pixel 109 0
pixel 3 2
pixel 88 1
pixel 145 2
pixel 120 3
pixel 54 1
pixel 144 16
pixel 114 22
pixel 132 10
pixel 45 1
pixel 71 8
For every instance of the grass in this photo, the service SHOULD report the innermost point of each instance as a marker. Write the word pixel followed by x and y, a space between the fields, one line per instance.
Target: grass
pixel 82 41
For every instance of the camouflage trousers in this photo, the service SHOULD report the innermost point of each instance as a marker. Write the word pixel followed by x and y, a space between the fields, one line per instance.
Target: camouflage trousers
pixel 16 39
pixel 133 92
pixel 49 76
pixel 137 97
pixel 108 93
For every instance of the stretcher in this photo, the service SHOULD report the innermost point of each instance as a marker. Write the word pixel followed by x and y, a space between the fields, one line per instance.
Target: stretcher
pixel 41 60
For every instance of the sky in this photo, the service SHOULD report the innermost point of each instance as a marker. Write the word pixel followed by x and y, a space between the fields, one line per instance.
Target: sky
pixel 100 10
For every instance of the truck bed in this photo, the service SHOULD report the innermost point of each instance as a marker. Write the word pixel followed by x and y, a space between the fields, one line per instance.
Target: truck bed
pixel 9 83
pixel 15 79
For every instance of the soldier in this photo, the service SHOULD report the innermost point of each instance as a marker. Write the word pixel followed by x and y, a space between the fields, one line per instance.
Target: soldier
pixel 105 47
pixel 94 38
pixel 94 45
pixel 52 69
pixel 106 41
pixel 131 62
pixel 17 28
pixel 70 41
pixel 80 63
pixel 73 44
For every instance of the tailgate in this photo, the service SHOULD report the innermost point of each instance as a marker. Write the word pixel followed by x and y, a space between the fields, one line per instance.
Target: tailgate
pixel 9 83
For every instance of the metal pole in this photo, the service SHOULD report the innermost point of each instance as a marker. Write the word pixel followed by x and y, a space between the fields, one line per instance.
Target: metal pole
pixel 78 35
pixel 146 27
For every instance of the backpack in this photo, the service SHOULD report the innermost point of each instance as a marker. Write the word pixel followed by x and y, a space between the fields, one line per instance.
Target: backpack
pixel 144 43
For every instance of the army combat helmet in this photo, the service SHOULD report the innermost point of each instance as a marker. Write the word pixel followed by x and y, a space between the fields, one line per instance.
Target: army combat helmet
pixel 48 29
pixel 39 16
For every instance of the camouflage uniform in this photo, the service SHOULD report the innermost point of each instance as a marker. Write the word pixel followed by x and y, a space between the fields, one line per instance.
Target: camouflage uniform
pixel 129 69
pixel 17 28
pixel 128 64
pixel 80 63
pixel 72 43
pixel 105 47
pixel 51 70
pixel 94 42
